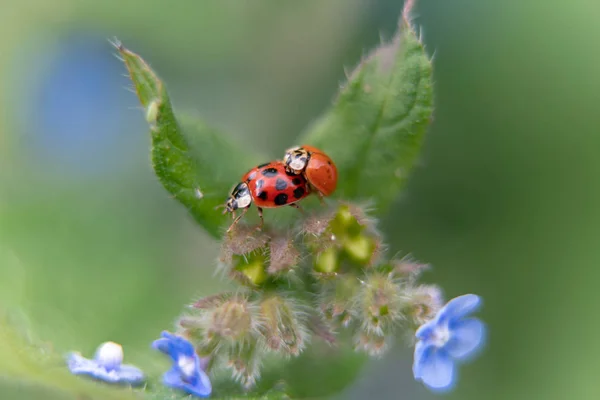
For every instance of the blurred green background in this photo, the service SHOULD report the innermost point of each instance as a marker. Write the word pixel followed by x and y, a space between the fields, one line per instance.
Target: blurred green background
pixel 504 201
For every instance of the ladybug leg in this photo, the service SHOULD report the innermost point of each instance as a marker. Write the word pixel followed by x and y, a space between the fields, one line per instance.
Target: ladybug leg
pixel 297 207
pixel 321 198
pixel 236 219
pixel 262 220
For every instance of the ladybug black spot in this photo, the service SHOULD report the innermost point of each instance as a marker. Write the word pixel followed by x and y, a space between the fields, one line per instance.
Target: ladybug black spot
pixel 260 183
pixel 263 165
pixel 280 184
pixel 269 172
pixel 263 196
pixel 298 192
pixel 296 181
pixel 281 199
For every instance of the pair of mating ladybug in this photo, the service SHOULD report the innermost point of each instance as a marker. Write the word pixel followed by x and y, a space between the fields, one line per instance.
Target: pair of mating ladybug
pixel 304 170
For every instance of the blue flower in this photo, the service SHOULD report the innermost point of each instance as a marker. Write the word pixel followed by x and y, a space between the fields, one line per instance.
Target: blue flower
pixel 450 337
pixel 186 373
pixel 106 365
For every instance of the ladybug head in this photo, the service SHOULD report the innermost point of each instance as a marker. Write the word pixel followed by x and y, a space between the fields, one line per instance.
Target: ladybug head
pixel 295 159
pixel 240 198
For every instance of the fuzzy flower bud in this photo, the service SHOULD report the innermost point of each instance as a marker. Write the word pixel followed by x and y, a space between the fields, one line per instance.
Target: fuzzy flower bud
pixel 346 233
pixel 379 304
pixel 255 258
pixel 221 321
pixel 372 343
pixel 243 256
pixel 322 243
pixel 352 219
pixel 226 327
pixel 422 303
pixel 357 235
pixel 283 255
pixel 327 261
pixel 408 270
pixel 361 248
pixel 335 298
pixel 244 360
pixel 283 325
pixel 233 321
pixel 250 269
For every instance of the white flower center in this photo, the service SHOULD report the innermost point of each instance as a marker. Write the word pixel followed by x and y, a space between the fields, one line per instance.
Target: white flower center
pixel 187 365
pixel 109 355
pixel 440 336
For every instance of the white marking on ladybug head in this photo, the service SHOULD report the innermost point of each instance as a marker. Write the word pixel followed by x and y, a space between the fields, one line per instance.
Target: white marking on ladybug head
pixel 244 200
pixel 296 159
pixel 240 197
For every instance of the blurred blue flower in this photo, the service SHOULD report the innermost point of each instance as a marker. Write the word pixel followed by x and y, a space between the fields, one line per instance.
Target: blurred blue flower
pixel 73 110
pixel 450 337
pixel 106 365
pixel 186 373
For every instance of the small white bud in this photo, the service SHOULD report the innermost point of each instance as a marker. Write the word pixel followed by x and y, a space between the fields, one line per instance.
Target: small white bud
pixel 109 355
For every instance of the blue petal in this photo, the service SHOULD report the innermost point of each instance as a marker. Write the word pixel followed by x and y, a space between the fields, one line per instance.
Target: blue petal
pixel 435 369
pixel 204 382
pixel 172 378
pixel 458 307
pixel 419 357
pixel 79 365
pixel 162 345
pixel 425 331
pixel 466 337
pixel 130 374
pixel 174 346
pixel 202 388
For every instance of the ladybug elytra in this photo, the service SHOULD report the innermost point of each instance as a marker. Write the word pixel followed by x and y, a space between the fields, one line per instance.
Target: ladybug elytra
pixel 268 185
pixel 316 167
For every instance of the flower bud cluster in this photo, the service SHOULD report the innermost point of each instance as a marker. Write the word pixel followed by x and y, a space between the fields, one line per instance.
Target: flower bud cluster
pixel 340 238
pixel 226 329
pixel 329 277
pixel 256 258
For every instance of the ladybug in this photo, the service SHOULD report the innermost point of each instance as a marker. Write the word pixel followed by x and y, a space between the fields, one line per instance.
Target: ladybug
pixel 316 167
pixel 268 185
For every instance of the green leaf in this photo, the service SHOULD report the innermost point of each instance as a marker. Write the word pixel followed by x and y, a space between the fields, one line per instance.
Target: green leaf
pixel 196 163
pixel 376 127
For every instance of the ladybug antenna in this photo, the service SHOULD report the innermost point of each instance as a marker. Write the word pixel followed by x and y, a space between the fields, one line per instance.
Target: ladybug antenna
pixel 224 206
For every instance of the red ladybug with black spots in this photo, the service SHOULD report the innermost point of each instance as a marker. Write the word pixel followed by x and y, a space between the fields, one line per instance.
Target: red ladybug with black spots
pixel 268 185
pixel 315 166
